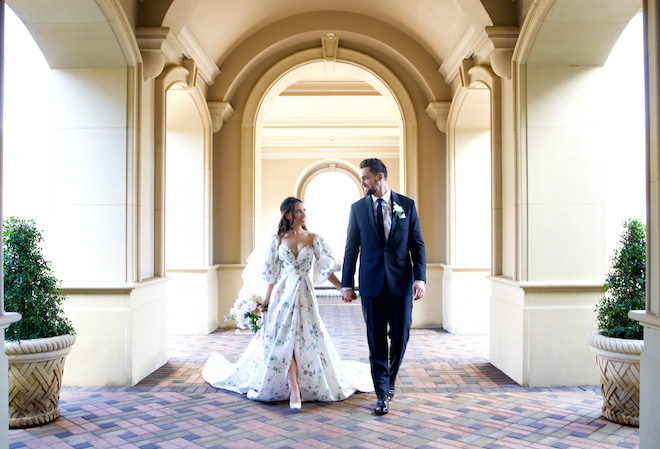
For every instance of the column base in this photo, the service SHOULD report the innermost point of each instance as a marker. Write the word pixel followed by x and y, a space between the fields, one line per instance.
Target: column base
pixel 465 300
pixel 538 331
pixel 121 333
pixel 192 301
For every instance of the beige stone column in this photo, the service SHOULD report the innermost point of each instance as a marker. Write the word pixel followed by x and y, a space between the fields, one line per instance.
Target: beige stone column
pixel 649 433
pixel 465 284
pixel 553 258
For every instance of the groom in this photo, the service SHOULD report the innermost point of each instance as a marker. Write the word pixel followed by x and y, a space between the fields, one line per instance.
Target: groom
pixel 384 229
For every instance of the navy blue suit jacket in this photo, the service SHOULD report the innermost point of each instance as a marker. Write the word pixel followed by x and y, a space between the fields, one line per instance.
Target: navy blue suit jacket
pixel 400 262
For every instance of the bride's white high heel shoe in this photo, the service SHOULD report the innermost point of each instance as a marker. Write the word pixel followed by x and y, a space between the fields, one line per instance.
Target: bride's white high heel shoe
pixel 295 405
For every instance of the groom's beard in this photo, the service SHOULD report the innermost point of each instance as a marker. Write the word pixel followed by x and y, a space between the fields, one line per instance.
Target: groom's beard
pixel 373 190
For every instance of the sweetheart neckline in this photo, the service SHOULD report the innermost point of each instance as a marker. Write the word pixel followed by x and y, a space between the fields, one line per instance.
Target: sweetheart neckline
pixel 294 254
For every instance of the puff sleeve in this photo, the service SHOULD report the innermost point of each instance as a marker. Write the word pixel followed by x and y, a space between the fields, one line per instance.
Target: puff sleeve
pixel 272 263
pixel 325 263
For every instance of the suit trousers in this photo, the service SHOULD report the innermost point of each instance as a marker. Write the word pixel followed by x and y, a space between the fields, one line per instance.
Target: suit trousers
pixel 386 315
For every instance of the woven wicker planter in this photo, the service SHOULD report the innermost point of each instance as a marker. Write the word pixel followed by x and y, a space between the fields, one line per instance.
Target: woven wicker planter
pixel 618 364
pixel 35 378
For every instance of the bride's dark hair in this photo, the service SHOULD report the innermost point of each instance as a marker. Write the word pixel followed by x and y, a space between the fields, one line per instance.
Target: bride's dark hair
pixel 287 208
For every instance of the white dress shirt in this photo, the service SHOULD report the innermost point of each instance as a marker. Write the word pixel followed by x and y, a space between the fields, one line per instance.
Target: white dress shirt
pixel 387 211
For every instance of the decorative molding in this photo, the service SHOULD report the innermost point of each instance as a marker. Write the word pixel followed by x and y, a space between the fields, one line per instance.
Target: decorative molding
pixel 647 319
pixel 159 38
pixel 461 50
pixel 208 69
pixel 329 153
pixel 122 29
pixel 565 285
pixel 438 111
pixel 158 46
pixel 494 44
pixel 220 111
pixel 463 71
pixel 329 45
pixel 328 164
pixel 191 66
pixel 332 123
pixel 503 39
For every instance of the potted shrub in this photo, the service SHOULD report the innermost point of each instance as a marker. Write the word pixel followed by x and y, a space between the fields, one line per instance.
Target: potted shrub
pixel 618 343
pixel 37 345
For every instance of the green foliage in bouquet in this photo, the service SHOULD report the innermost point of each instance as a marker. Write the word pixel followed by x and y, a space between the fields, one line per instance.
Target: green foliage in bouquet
pixel 29 285
pixel 625 285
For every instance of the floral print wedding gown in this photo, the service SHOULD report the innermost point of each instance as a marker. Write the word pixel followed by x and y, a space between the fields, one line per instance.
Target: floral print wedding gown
pixel 292 325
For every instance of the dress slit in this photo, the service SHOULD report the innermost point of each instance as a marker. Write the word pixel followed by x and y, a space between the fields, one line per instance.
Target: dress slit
pixel 293 330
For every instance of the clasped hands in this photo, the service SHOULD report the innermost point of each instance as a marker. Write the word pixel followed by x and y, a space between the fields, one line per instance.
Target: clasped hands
pixel 419 289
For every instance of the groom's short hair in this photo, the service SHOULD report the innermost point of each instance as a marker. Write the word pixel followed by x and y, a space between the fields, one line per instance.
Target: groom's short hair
pixel 375 166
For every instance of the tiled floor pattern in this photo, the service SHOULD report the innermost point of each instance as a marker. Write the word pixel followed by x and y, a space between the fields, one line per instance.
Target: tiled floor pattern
pixel 448 396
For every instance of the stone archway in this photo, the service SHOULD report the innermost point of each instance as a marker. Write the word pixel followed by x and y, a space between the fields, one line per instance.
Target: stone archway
pixel 471 217
pixel 384 80
pixel 183 197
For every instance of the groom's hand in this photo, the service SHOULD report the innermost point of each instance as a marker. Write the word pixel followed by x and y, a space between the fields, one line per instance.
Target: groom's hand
pixel 348 295
pixel 419 289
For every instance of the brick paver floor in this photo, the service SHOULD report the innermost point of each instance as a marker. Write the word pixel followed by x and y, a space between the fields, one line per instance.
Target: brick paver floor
pixel 448 396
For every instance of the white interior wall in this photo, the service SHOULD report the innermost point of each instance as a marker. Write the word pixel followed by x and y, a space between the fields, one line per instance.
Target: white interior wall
pixel 565 173
pixel 473 211
pixel 87 192
pixel 192 291
pixel 184 199
pixel 465 288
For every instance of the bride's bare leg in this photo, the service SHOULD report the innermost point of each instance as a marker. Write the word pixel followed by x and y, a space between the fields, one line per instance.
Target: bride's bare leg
pixel 292 376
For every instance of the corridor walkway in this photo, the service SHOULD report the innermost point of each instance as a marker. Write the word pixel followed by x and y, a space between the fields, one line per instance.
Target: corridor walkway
pixel 448 396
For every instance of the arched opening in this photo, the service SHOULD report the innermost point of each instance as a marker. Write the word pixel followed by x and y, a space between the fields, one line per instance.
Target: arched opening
pixel 473 181
pixel 184 174
pixel 192 302
pixel 466 290
pixel 313 114
pixel 346 83
pixel 328 196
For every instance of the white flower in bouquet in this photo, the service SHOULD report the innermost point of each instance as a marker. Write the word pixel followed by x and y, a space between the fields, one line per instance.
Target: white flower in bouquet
pixel 251 306
pixel 247 312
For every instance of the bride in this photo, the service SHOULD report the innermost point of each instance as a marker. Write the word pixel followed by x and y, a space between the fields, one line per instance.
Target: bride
pixel 292 355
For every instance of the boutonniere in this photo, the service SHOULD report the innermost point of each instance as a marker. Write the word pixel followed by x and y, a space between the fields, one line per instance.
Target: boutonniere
pixel 398 211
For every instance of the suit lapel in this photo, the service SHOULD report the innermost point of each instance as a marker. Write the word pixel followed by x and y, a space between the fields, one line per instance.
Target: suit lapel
pixel 395 221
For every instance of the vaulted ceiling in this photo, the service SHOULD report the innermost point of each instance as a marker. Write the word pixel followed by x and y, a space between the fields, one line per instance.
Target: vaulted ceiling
pixel 438 25
pixel 428 39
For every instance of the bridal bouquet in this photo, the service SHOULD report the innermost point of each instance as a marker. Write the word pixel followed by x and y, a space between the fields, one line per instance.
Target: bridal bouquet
pixel 248 313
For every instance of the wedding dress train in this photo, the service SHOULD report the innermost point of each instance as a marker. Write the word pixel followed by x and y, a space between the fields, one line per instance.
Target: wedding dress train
pixel 292 325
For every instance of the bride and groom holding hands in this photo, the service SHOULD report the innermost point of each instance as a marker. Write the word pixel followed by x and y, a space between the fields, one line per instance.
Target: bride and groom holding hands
pixel 292 356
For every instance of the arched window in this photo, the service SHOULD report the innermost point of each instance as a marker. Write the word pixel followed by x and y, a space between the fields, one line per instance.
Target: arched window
pixel 328 197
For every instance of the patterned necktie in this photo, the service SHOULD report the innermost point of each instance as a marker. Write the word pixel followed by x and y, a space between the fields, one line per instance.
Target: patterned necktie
pixel 379 220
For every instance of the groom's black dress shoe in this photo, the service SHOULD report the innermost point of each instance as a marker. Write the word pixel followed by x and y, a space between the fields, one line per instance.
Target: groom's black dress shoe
pixel 390 394
pixel 382 406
